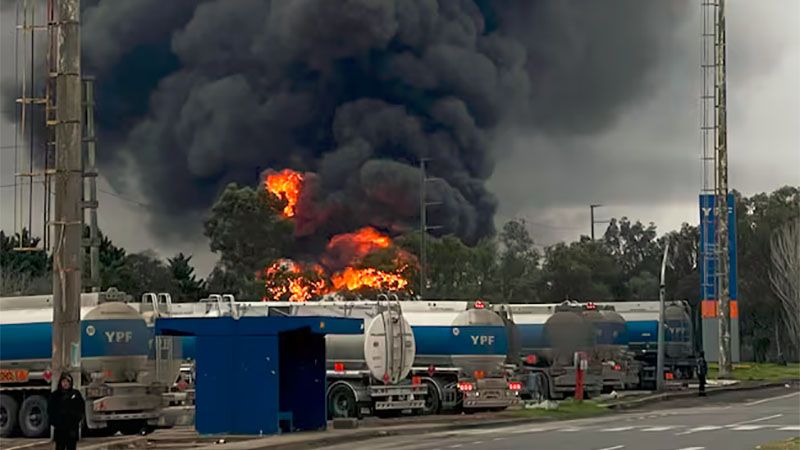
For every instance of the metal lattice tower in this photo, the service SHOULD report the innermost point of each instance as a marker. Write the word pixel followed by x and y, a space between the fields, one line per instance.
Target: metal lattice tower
pixel 715 166
pixel 31 163
pixel 424 204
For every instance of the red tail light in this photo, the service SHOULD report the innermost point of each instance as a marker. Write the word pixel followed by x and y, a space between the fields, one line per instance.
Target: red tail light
pixel 479 304
pixel 531 359
pixel 514 385
pixel 669 376
pixel 47 375
pixel 431 370
pixel 479 374
pixel 465 386
pixel 416 380
pixel 617 367
pixel 338 366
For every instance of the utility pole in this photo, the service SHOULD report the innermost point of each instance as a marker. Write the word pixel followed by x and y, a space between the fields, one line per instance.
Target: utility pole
pixel 423 224
pixel 721 200
pixel 592 222
pixel 65 38
pixel 662 292
pixel 90 176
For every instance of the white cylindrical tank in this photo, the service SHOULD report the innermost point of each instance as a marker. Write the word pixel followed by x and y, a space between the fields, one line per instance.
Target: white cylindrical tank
pixel 386 349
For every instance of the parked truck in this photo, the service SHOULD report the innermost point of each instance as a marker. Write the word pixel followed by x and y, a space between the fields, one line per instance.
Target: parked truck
pixel 461 349
pixel 366 373
pixel 114 357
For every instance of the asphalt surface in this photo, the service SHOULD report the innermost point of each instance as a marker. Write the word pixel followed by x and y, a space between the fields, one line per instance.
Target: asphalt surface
pixel 702 425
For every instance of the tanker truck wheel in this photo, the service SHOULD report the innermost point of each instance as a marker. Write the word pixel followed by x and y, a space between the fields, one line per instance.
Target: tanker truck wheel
pixel 432 401
pixel 342 402
pixel 8 415
pixel 33 420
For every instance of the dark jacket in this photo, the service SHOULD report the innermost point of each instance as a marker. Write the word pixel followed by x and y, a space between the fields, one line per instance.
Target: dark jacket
pixel 702 367
pixel 66 407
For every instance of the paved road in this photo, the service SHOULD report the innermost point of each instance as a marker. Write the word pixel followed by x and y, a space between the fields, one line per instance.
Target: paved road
pixel 733 426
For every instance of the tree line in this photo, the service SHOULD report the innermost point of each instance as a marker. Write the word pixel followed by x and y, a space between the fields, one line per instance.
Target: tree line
pixel 245 229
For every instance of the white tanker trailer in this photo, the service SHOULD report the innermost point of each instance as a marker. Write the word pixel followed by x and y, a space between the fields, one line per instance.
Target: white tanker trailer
pixel 114 355
pixel 460 355
pixel 366 373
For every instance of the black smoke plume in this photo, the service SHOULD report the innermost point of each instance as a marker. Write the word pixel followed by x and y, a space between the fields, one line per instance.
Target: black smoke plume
pixel 197 94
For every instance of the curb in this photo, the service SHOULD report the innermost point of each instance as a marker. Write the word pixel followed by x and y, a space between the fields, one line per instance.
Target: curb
pixel 623 405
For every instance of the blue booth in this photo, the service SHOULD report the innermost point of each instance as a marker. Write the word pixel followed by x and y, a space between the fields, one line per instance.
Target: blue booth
pixel 258 375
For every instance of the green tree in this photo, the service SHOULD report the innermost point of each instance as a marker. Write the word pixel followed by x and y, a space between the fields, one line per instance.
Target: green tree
pixel 23 272
pixel 757 218
pixel 144 272
pixel 248 232
pixel 583 270
pixel 189 288
pixel 518 266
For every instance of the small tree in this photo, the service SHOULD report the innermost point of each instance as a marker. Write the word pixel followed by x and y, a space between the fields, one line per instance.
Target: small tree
pixel 785 277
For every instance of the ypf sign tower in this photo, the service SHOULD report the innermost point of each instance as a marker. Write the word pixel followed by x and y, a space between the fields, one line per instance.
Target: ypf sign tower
pixel 719 308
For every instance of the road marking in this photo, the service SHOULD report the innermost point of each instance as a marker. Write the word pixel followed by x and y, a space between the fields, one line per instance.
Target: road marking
pixel 771 399
pixel 498 439
pixel 569 430
pixel 617 429
pixel 662 428
pixel 31 444
pixel 793 428
pixel 612 448
pixel 529 430
pixel 754 420
pixel 692 448
pixel 477 442
pixel 748 427
pixel 697 429
pixel 455 446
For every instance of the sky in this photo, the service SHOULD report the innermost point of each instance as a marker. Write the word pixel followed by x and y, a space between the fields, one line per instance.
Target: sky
pixel 645 166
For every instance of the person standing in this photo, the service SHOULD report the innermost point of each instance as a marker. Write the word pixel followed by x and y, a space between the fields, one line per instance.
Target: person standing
pixel 702 371
pixel 66 412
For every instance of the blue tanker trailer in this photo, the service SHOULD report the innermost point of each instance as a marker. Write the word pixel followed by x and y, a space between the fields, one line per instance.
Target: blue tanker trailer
pixel 461 350
pixel 641 326
pixel 114 355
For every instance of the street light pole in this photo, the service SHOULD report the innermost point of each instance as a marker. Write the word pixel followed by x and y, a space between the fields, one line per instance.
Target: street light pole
pixel 661 294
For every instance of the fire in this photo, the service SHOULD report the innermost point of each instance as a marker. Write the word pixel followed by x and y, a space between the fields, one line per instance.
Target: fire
pixel 287 280
pixel 286 186
pixel 353 279
pixel 298 282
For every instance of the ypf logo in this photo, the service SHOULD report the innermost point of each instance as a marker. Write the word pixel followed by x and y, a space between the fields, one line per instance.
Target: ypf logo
pixel 456 331
pixel 90 330
pixel 120 337
pixel 482 340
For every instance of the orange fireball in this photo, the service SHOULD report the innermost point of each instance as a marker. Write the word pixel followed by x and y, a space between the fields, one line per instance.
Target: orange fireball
pixel 353 279
pixel 286 186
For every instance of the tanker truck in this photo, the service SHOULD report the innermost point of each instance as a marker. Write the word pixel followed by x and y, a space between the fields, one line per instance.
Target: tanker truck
pixel 114 354
pixel 619 367
pixel 366 373
pixel 549 337
pixel 461 350
pixel 641 326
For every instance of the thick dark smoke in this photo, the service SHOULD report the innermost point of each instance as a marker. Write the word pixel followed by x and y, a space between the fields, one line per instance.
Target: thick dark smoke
pixel 201 93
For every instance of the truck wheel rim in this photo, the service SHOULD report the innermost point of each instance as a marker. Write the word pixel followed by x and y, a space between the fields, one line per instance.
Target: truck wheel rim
pixel 341 404
pixel 35 417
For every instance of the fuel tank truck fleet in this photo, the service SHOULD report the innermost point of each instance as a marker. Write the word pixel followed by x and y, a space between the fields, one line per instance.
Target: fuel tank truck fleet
pixel 114 365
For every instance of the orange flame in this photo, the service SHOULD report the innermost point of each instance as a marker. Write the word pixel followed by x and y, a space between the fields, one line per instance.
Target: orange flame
pixel 364 240
pixel 353 279
pixel 286 186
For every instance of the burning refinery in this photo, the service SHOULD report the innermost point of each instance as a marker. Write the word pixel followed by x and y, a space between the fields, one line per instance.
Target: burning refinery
pixel 349 263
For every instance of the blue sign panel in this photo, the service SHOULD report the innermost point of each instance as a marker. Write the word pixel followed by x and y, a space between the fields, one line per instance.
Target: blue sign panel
pixel 708 258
